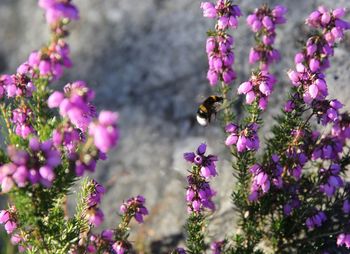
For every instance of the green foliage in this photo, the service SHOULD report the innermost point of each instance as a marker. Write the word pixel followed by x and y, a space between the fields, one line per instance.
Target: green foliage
pixel 195 228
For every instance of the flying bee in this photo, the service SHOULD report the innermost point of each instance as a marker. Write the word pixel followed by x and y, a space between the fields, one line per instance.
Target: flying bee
pixel 209 107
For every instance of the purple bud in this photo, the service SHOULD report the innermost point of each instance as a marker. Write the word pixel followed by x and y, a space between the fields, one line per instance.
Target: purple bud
pixel 196 205
pixel 326 18
pixel 250 97
pixel 346 206
pixel 245 87
pixel 209 10
pixel 313 90
pixel 294 77
pixel 299 58
pixel 314 65
pixel 107 234
pixel 241 143
pixel 231 139
pixel 339 13
pixel 10 226
pixel 265 88
pixel 279 11
pixel 256 27
pixel 55 99
pixel 228 76
pixel 254 56
pixel 230 128
pixel 4 216
pixel 210 46
pixel 267 22
pixel 213 77
pixel 47 173
pixel 223 22
pixel 289 106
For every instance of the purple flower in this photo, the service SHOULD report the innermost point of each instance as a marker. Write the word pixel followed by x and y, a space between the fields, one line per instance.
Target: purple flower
pixel 259 87
pixel 219 46
pixel 263 22
pixel 205 163
pixel 316 220
pixel 209 10
pixel 289 106
pixel 331 180
pixel 343 239
pixel 105 132
pixel 107 234
pixel 199 193
pixel 95 216
pixel 119 248
pixel 135 207
pixel 76 104
pixel 217 247
pixel 58 10
pixel 245 139
pixel 179 251
pixel 8 218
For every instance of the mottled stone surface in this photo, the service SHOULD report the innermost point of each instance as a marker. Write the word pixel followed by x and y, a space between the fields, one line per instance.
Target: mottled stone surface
pixel 146 59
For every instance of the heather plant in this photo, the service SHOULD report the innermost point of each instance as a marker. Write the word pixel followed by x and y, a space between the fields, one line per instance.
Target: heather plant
pixel 51 138
pixel 290 194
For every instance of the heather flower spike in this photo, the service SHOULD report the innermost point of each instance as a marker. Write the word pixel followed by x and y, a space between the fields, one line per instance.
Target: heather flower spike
pixel 219 43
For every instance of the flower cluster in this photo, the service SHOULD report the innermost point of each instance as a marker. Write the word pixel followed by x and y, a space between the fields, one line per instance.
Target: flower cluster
pixel 332 180
pixel 217 247
pixel 134 207
pixel 329 148
pixel 104 131
pixel 68 137
pixel 341 128
pixel 199 193
pixel 21 118
pixel 16 85
pixel 179 250
pixel 290 205
pixel 205 163
pixel 330 21
pixel 221 58
pixel 57 10
pixel 75 104
pixel 245 139
pixel 94 213
pixel 343 239
pixel 314 59
pixel 258 88
pixel 8 218
pixel 226 13
pixel 263 22
pixel 296 159
pixel 264 176
pixel 219 44
pixel 260 181
pixel 316 220
pixel 49 62
pixel 327 111
pixel 35 166
pixel 114 241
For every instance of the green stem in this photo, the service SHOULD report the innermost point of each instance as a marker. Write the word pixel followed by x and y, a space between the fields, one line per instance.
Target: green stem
pixel 195 234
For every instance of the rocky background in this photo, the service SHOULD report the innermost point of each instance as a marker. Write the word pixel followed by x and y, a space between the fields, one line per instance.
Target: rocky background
pixel 146 59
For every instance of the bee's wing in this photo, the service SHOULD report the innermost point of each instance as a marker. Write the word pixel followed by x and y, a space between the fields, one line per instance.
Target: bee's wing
pixel 218 106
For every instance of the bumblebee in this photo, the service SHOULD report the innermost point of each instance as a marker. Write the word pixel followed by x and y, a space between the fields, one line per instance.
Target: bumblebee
pixel 209 107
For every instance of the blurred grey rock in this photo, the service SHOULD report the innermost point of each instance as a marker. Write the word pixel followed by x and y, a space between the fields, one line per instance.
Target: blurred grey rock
pixel 146 59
